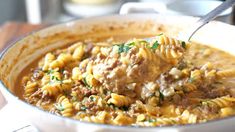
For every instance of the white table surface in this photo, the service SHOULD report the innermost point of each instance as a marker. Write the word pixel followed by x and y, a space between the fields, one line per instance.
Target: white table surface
pixel 12 122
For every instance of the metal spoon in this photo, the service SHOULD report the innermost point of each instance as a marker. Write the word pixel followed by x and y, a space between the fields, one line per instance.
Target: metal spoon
pixel 187 35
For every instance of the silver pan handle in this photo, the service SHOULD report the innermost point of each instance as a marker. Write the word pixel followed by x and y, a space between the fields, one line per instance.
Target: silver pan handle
pixel 142 7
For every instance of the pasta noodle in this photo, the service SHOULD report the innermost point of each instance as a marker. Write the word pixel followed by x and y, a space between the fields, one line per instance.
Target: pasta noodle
pixel 60 61
pixel 65 107
pixel 221 102
pixel 196 76
pixel 119 100
pixel 188 87
pixel 51 90
pixel 188 117
pixel 30 88
pixel 48 59
pixel 167 121
pixel 76 74
pixel 226 73
pixel 227 111
pixel 122 119
pixel 170 49
pixel 78 52
pixel 161 122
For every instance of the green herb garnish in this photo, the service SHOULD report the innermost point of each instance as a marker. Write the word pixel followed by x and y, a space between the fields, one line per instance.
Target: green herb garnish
pixel 86 84
pixel 54 78
pixel 61 70
pixel 155 45
pixel 160 34
pixel 183 44
pixel 125 47
pixel 59 107
pixel 161 96
pixel 83 108
pixel 120 48
pixel 131 44
pixel 152 120
pixel 57 79
pixel 50 72
pixel 92 98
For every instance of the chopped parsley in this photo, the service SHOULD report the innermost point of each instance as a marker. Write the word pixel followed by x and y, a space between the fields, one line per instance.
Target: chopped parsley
pixel 83 108
pixel 50 72
pixel 125 47
pixel 92 98
pixel 160 34
pixel 59 107
pixel 124 108
pixel 183 44
pixel 152 120
pixel 61 70
pixel 120 48
pixel 161 96
pixel 131 44
pixel 86 84
pixel 54 78
pixel 155 45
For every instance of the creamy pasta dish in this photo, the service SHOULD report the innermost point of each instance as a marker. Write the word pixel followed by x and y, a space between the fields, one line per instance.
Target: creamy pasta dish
pixel 142 82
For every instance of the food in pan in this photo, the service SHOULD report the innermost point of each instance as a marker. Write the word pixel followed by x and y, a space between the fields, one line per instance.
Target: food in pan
pixel 156 82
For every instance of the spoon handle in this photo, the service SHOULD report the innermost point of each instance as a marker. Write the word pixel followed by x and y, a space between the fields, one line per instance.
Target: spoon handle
pixel 208 17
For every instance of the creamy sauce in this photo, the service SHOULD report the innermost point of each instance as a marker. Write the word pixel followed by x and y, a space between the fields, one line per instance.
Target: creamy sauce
pixel 155 83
